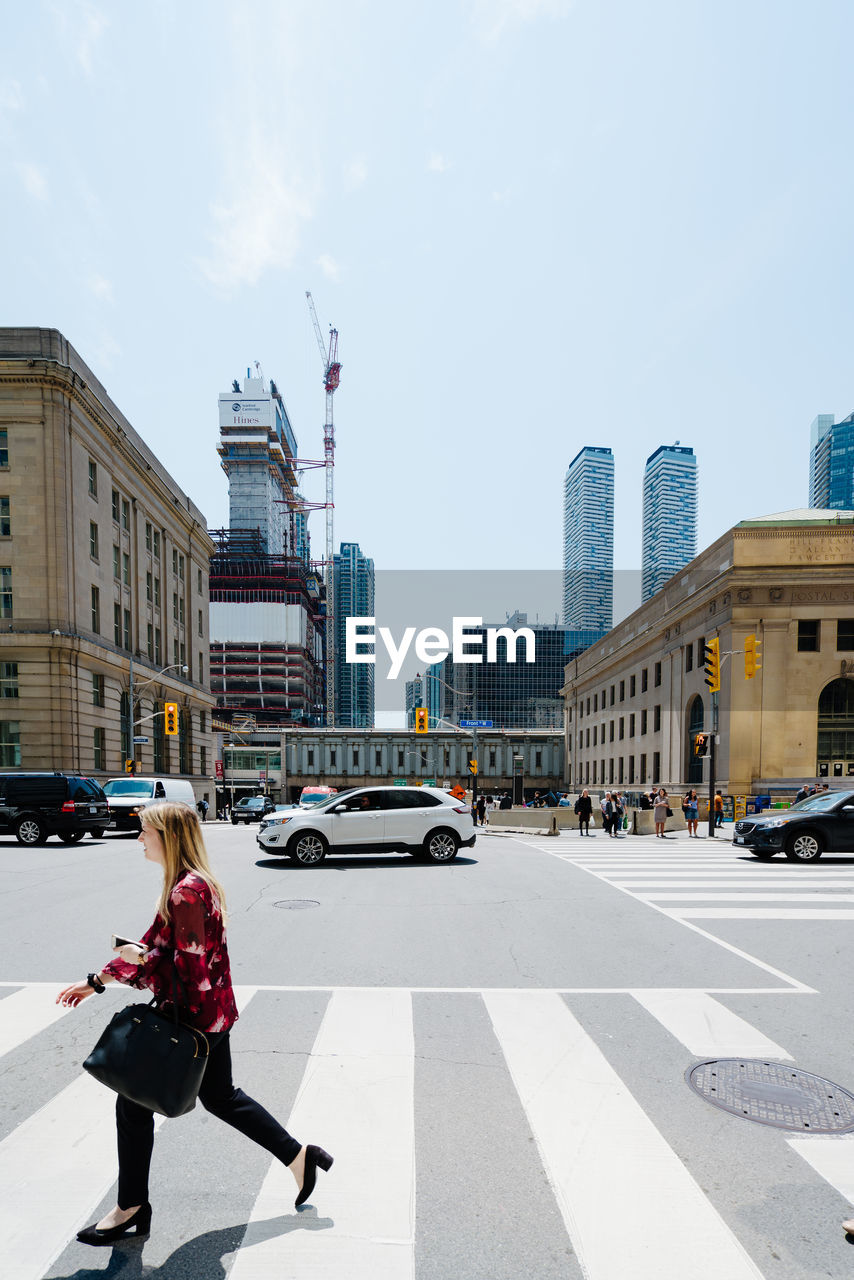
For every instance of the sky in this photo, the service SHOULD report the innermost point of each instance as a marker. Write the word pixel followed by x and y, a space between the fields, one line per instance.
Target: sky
pixel 536 224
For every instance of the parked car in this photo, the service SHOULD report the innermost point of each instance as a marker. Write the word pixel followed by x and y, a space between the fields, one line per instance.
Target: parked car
pixel 417 820
pixel 128 795
pixel 251 809
pixel 38 805
pixel 822 822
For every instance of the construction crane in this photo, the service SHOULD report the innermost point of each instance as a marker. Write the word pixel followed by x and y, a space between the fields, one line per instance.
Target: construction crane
pixel 331 379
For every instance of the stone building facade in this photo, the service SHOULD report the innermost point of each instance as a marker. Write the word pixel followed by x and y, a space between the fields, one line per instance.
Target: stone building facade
pixel 635 700
pixel 103 579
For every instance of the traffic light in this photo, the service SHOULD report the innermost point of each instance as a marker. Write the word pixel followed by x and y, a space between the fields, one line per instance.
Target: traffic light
pixel 752 654
pixel 171 717
pixel 712 660
pixel 128 766
pixel 473 766
pixel 421 720
pixel 701 744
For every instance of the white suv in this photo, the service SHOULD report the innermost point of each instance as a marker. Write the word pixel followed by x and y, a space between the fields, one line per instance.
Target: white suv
pixel 419 820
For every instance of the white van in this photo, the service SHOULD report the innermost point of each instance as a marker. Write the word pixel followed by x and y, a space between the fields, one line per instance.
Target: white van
pixel 127 795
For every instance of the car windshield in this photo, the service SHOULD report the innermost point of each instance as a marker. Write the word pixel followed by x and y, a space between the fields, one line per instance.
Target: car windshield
pixel 127 787
pixel 816 804
pixel 328 800
pixel 250 804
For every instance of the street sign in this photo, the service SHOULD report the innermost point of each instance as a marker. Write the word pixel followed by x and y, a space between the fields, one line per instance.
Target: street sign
pixel 475 724
pixel 399 782
pixel 140 742
pixel 218 768
pixel 429 782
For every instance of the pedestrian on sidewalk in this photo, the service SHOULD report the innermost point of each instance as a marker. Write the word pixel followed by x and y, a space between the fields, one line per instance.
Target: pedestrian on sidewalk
pixel 606 804
pixel 185 944
pixel 583 810
pixel 691 809
pixel 719 809
pixel 619 812
pixel 661 811
pixel 481 810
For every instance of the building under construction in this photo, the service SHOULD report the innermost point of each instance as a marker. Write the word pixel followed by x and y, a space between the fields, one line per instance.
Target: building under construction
pixel 267 604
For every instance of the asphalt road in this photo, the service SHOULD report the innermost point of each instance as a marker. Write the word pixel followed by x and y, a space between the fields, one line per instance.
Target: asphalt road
pixel 494 1050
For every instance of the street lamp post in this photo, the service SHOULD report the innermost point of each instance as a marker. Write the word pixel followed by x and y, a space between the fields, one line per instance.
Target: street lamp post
pixel 131 721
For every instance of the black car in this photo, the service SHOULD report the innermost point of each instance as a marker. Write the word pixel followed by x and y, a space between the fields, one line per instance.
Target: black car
pixel 251 809
pixel 823 822
pixel 38 805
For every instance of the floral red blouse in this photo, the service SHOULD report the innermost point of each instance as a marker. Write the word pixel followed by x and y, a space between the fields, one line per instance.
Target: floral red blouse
pixel 191 944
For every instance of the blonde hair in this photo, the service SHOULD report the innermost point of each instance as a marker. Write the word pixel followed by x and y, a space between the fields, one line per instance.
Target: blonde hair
pixel 179 828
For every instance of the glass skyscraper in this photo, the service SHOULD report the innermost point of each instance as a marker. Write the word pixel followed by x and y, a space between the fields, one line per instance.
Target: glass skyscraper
pixel 354 598
pixel 832 463
pixel 588 541
pixel 669 515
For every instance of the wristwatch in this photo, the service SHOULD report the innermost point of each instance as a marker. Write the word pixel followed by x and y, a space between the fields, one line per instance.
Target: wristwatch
pixel 95 983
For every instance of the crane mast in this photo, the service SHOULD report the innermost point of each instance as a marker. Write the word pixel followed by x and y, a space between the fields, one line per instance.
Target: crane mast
pixel 331 379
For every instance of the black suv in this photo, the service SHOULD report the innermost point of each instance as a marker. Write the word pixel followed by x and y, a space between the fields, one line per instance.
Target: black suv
pixel 38 805
pixel 251 809
pixel 821 822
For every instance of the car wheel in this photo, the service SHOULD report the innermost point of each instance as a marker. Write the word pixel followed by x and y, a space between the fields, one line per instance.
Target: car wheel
pixel 308 848
pixel 804 846
pixel 764 855
pixel 30 831
pixel 71 837
pixel 234 821
pixel 441 845
pixel 96 833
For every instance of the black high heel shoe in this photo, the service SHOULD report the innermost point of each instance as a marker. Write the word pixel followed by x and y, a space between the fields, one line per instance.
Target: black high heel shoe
pixel 315 1158
pixel 141 1221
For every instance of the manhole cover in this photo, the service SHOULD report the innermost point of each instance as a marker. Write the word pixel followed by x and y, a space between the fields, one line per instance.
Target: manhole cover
pixel 296 904
pixel 771 1093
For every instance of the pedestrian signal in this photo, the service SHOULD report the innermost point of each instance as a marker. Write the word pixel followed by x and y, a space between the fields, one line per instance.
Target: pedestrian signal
pixel 170 710
pixel 752 654
pixel 421 720
pixel 712 660
pixel 701 744
pixel 473 766
pixel 128 766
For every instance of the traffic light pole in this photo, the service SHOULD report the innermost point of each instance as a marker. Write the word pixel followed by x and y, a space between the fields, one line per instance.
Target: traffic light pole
pixel 712 759
pixel 474 784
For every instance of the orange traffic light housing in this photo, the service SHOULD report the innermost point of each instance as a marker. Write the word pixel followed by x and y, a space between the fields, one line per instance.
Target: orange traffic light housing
pixel 170 711
pixel 422 720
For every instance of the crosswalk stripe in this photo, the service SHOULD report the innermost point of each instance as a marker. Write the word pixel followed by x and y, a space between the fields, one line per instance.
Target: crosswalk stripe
pixel 603 1153
pixel 832 1158
pixel 761 913
pixel 27 1012
pixel 706 1027
pixel 712 895
pixel 58 1164
pixel 358 1088
pixel 54 1169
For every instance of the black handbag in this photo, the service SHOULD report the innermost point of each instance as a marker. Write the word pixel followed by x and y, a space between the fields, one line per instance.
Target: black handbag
pixel 670 813
pixel 152 1058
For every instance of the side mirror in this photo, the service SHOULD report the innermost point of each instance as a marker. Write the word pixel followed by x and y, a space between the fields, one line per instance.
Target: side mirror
pixel 848 808
pixel 338 808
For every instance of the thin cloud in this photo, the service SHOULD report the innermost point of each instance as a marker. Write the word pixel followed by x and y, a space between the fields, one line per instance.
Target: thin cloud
pixel 101 287
pixel 356 174
pixel 255 231
pixel 437 163
pixel 329 266
pixel 81 26
pixel 493 18
pixel 34 180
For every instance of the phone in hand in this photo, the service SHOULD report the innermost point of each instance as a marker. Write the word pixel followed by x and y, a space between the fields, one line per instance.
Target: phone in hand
pixel 119 941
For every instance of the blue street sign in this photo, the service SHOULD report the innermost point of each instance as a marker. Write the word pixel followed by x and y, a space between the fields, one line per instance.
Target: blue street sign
pixel 475 724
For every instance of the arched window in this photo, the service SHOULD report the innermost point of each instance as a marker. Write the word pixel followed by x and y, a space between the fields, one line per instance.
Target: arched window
pixel 835 751
pixel 694 771
pixel 185 741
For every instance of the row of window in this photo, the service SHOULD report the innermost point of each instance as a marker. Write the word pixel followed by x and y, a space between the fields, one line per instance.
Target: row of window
pixel 622 770
pixel 809 635
pixel 618 727
pixel 618 690
pixel 809 641
pixel 122 630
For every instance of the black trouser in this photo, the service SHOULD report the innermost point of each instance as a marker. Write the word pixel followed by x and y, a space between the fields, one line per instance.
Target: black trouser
pixel 135 1124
